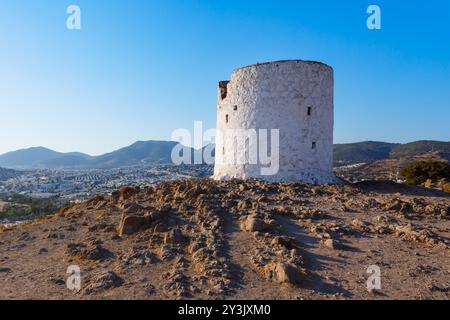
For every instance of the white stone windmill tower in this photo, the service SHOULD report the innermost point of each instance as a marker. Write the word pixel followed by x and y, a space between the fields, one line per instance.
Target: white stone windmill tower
pixel 295 97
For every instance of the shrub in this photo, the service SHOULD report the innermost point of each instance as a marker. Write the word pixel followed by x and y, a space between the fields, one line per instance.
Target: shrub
pixel 419 172
pixel 21 206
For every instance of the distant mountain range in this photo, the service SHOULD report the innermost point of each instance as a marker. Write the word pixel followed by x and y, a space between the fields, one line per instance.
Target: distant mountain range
pixel 159 152
pixel 141 152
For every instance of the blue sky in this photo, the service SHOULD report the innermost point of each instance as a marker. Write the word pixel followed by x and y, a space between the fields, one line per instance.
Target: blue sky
pixel 137 70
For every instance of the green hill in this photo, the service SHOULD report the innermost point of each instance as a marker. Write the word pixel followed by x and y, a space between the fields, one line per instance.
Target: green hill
pixel 371 151
pixel 414 148
pixel 361 152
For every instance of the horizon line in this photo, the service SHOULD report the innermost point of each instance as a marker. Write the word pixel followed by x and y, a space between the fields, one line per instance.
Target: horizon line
pixel 151 140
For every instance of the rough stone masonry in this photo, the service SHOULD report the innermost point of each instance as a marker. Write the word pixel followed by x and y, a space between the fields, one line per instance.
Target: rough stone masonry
pixel 295 97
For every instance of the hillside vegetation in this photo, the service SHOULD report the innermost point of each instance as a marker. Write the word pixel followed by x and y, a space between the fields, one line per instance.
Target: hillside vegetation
pixel 19 206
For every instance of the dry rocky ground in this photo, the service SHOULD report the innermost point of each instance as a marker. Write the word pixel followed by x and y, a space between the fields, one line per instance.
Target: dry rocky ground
pixel 203 239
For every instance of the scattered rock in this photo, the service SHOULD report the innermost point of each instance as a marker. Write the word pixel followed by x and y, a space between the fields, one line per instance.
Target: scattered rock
pixel 174 236
pixel 253 223
pixel 382 229
pixel 88 251
pixel 168 252
pixel 139 256
pixel 284 241
pixel 57 281
pixel 287 273
pixel 177 284
pixel 102 282
pixel 132 224
pixel 361 225
pixel 56 236
pixel 409 233
pixel 331 244
pixel 98 226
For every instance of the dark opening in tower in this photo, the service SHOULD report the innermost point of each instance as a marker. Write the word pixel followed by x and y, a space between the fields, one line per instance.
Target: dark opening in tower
pixel 223 88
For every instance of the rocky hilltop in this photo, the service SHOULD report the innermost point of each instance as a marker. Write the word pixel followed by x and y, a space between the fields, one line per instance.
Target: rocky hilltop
pixel 203 239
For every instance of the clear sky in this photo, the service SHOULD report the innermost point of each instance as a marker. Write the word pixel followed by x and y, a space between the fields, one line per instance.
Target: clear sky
pixel 137 70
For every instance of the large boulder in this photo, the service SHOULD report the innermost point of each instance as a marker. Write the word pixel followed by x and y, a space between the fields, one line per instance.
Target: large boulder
pixel 132 224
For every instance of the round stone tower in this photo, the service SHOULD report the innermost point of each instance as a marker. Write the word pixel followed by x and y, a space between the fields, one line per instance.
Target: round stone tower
pixel 275 123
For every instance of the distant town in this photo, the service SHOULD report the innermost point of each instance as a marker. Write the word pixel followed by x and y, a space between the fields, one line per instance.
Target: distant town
pixel 75 185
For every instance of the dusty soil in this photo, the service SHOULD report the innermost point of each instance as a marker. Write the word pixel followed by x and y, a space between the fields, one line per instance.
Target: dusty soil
pixel 200 239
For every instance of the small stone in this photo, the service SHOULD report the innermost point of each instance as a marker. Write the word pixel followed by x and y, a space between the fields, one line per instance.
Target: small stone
pixel 331 244
pixel 104 281
pixel 287 273
pixel 253 223
pixel 57 281
pixel 89 251
pixel 140 257
pixel 284 241
pixel 174 236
